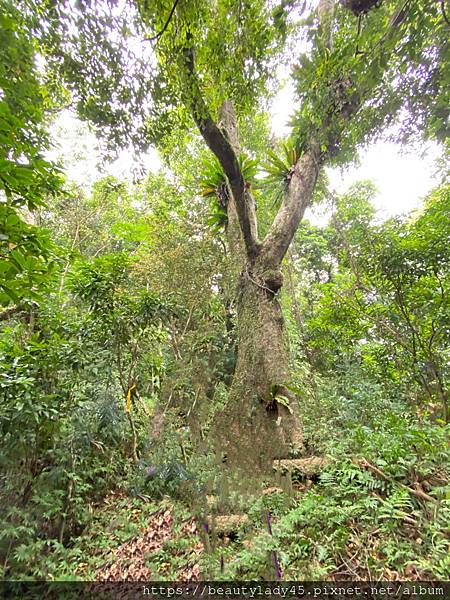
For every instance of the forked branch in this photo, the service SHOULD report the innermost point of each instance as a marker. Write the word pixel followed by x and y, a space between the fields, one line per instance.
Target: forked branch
pixel 344 105
pixel 219 144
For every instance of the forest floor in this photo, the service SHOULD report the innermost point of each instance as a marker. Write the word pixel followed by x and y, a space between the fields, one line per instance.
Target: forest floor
pixel 137 539
pixel 132 539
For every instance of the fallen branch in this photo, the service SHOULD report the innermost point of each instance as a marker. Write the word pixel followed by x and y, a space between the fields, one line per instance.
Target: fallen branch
pixel 311 465
pixel 363 462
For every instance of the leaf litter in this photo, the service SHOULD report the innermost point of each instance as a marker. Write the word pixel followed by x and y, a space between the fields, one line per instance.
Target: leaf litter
pixel 130 560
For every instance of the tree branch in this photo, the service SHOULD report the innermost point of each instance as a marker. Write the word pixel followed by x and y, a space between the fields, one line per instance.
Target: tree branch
pixel 417 492
pixel 344 105
pixel 156 37
pixel 219 144
pixel 285 224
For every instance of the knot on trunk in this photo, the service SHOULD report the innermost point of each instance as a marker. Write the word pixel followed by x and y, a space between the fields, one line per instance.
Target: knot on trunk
pixel 359 7
pixel 269 281
pixel 273 280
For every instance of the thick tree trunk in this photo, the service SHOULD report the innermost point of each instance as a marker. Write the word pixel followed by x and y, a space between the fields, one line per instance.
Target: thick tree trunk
pixel 254 427
pixel 261 420
pixel 257 424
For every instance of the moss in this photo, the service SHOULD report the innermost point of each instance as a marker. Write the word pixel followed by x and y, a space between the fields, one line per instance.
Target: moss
pixel 252 434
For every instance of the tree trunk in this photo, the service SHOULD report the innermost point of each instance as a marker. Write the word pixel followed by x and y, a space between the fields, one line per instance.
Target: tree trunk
pixel 235 246
pixel 261 421
pixel 255 427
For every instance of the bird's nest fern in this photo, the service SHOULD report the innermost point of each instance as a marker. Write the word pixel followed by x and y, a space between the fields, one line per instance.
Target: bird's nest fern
pixel 213 185
pixel 279 169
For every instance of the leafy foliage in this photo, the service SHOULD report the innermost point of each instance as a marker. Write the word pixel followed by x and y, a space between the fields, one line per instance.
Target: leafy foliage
pixel 406 46
pixel 26 177
pixel 387 300
pixel 213 185
pixel 278 171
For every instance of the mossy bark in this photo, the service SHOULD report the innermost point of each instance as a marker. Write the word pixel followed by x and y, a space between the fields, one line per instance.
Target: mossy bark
pixel 261 421
pixel 257 426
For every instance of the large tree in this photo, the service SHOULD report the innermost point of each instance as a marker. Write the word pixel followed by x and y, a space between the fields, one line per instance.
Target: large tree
pixel 148 71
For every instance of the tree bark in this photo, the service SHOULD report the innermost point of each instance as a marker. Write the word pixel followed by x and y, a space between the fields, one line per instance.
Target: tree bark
pixel 252 417
pixel 261 421
pixel 236 249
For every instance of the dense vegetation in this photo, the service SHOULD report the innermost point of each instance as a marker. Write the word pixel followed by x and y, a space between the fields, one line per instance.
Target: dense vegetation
pixel 166 336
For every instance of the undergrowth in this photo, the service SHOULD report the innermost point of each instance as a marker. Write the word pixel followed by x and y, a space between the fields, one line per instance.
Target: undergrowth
pixel 354 522
pixel 379 509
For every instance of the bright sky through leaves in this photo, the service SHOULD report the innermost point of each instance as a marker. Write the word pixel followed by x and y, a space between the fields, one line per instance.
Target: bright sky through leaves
pixel 402 179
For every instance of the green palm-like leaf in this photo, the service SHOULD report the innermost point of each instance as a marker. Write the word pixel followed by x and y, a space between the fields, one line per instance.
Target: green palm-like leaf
pixel 249 168
pixel 212 177
pixel 277 168
pixel 218 217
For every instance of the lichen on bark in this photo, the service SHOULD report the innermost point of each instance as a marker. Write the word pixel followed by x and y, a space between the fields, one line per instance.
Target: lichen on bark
pixel 255 427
